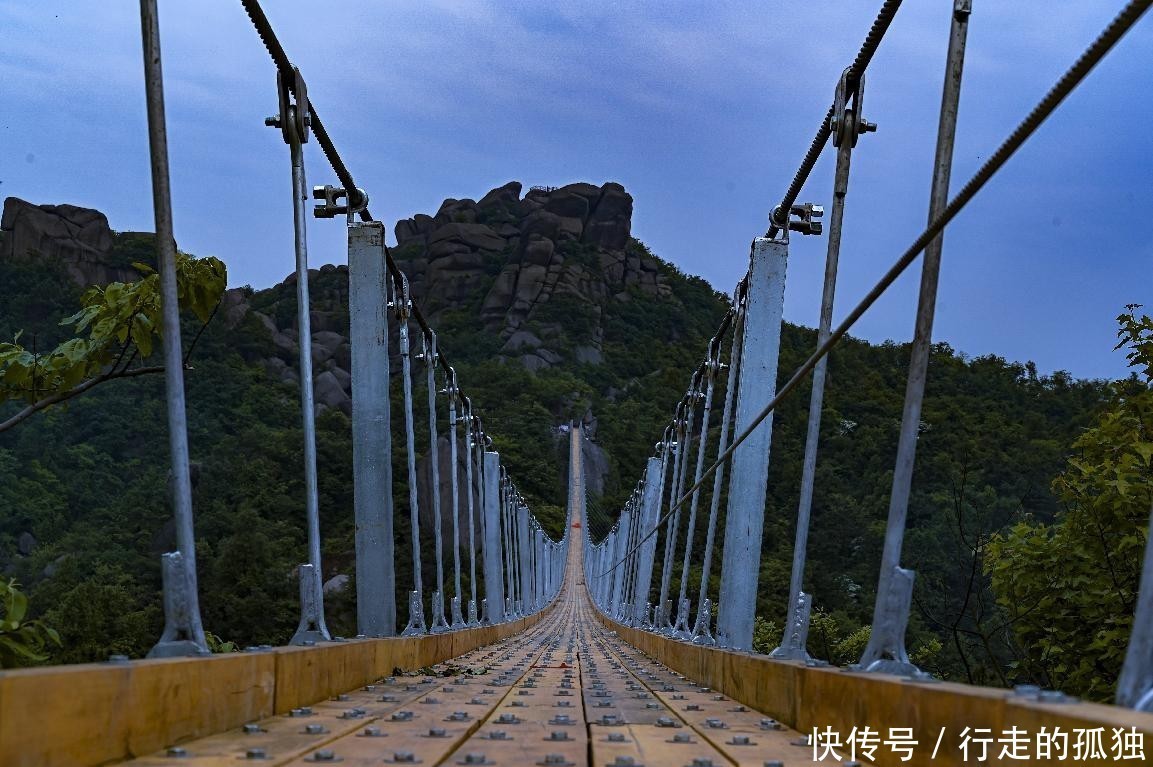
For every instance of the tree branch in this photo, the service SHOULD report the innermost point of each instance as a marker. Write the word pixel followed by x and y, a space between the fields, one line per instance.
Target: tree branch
pixel 80 388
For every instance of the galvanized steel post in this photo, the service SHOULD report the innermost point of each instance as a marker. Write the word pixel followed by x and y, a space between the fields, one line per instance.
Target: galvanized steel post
pixel 650 511
pixel 682 630
pixel 493 553
pixel 183 632
pixel 371 430
pixel 451 391
pixel 680 446
pixel 312 626
pixel 430 356
pixel 403 305
pixel 471 453
pixel 886 650
pixel 618 555
pixel 756 386
pixel 850 125
pixel 702 633
pixel 523 545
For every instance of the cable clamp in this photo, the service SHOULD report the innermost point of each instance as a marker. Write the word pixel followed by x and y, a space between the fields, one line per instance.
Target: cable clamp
pixel 330 207
pixel 801 218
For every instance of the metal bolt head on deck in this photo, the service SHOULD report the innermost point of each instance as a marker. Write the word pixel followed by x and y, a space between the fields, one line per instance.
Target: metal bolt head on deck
pixel 554 760
pixel 557 735
pixel 176 752
pixel 314 729
pixel 255 754
pixel 371 732
pixel 252 728
pixel 473 757
pixel 324 755
pixel 701 761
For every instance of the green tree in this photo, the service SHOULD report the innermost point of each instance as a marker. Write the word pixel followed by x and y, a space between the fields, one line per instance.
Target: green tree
pixel 1070 587
pixel 22 641
pixel 122 321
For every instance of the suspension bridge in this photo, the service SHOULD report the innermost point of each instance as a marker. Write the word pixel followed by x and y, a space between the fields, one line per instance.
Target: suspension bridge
pixel 572 650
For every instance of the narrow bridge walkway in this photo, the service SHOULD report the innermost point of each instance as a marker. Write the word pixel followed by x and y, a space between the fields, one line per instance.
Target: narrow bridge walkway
pixel 566 692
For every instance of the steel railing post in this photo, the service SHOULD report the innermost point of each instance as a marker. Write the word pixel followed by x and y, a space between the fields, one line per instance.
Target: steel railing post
pixel 886 650
pixel 748 480
pixel 403 304
pixel 702 633
pixel 371 430
pixel 619 570
pixel 430 356
pixel 523 564
pixel 312 626
pixel 183 632
pixel 454 482
pixel 471 451
pixel 850 124
pixel 650 511
pixel 493 549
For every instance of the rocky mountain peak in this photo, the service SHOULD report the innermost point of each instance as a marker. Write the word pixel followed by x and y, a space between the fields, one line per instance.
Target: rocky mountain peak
pixel 78 239
pixel 532 261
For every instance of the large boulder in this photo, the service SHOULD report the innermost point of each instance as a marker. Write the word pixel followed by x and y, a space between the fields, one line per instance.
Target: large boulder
pixel 79 239
pixel 330 394
pixel 610 223
pixel 478 236
pixel 503 196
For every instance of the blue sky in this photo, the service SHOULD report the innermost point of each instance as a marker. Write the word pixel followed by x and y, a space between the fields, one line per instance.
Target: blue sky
pixel 702 111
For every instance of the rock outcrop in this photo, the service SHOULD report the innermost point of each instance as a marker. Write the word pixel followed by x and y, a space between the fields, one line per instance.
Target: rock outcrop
pixel 79 239
pixel 535 261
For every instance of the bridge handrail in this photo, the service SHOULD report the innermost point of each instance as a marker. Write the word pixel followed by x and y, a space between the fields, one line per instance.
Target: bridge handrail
pixel 523 565
pixel 621 563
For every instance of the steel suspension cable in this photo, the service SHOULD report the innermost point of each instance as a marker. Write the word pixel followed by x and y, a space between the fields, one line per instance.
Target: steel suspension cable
pixel 865 55
pixel 1068 82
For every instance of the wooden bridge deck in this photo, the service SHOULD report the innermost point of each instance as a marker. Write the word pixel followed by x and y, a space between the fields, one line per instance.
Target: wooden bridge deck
pixel 567 691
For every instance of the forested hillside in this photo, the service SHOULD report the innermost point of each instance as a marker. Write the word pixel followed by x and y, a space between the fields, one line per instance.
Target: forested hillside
pixel 550 311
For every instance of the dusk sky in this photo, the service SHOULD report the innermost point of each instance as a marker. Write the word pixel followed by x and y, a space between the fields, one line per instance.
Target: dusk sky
pixel 701 110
